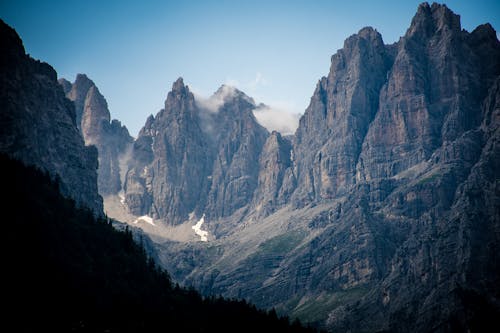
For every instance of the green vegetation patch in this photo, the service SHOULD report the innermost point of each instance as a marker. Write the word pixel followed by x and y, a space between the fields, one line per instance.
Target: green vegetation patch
pixel 317 309
pixel 282 244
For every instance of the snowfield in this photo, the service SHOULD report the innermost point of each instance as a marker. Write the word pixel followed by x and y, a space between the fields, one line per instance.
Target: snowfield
pixel 197 229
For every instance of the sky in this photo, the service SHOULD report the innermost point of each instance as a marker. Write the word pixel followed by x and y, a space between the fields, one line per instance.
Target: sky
pixel 274 51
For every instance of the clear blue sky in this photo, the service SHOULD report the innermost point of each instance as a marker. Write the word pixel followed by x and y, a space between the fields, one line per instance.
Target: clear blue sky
pixel 275 51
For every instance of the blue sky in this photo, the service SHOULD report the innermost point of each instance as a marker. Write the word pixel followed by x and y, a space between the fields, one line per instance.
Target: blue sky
pixel 275 51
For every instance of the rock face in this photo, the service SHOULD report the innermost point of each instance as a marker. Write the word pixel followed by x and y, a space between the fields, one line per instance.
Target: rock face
pixel 330 134
pixel 383 212
pixel 38 123
pixel 189 159
pixel 238 141
pixel 171 161
pixel 274 161
pixel 111 139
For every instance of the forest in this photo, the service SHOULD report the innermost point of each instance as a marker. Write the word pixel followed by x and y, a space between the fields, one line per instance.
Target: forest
pixel 66 270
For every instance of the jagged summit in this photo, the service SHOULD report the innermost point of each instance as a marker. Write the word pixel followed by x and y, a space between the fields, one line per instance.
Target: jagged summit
pixel 65 84
pixel 389 168
pixel 431 18
pixel 179 87
pixel 383 199
pixel 228 92
pixel 11 45
pixel 93 118
pixel 369 33
pixel 38 123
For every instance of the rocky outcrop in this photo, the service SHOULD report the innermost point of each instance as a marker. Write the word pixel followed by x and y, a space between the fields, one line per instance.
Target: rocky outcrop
pixel 432 95
pixel 385 217
pixel 39 126
pixel 78 94
pixel 238 141
pixel 188 159
pixel 111 139
pixel 169 177
pixel 328 141
pixel 274 161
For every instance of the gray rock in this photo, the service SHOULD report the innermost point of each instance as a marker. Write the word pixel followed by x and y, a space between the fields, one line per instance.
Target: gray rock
pixel 170 170
pixel 328 141
pixel 111 139
pixel 189 159
pixel 386 215
pixel 38 123
pixel 274 161
pixel 237 144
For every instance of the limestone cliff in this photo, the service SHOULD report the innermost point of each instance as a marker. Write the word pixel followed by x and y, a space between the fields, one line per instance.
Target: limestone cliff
pixel 38 124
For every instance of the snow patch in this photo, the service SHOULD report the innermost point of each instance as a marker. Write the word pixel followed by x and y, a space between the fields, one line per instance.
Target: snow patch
pixel 146 219
pixel 122 198
pixel 197 229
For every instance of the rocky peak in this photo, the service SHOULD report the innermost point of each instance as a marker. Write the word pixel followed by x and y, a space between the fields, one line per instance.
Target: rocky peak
pixel 38 123
pixel 93 119
pixel 178 86
pixel 196 158
pixel 148 126
pixel 96 104
pixel 430 19
pixel 229 94
pixel 95 116
pixel 485 33
pixel 65 84
pixel 180 99
pixel 12 46
pixel 168 176
pixel 78 94
pixel 331 131
pixel 365 35
pixel 179 91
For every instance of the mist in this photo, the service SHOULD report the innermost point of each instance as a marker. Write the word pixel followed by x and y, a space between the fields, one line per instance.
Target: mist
pixel 275 119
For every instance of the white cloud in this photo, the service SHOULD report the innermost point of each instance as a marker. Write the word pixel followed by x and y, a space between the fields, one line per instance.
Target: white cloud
pixel 279 116
pixel 277 119
pixel 214 102
pixel 257 82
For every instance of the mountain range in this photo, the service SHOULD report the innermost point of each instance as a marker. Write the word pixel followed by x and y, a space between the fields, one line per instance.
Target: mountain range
pixel 380 213
pixel 67 267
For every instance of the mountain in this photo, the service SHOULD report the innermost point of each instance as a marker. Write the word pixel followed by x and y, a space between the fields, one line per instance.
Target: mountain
pixel 381 213
pixel 69 268
pixel 192 160
pixel 39 126
pixel 111 139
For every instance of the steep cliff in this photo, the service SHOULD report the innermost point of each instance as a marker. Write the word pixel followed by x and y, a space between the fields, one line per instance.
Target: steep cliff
pixel 274 161
pixel 189 159
pixel 111 139
pixel 328 141
pixel 238 141
pixel 169 176
pixel 38 123
pixel 384 213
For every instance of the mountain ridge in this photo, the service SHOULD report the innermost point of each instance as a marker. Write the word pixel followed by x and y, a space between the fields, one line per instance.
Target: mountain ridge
pixel 31 103
pixel 379 214
pixel 365 198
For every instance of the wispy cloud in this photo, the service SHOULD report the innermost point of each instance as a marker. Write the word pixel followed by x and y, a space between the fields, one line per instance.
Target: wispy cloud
pixel 278 116
pixel 214 102
pixel 258 81
pixel 277 119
